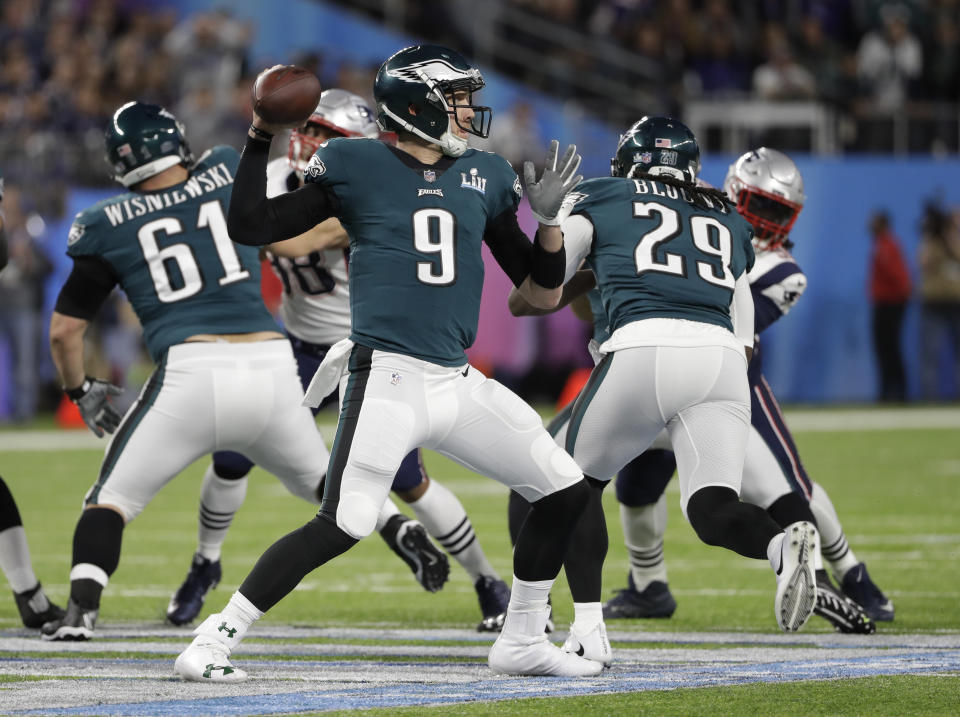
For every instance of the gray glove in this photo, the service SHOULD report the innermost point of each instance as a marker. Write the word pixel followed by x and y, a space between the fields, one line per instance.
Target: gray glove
pixel 546 196
pixel 93 399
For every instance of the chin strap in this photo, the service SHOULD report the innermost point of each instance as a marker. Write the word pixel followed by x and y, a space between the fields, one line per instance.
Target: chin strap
pixel 449 144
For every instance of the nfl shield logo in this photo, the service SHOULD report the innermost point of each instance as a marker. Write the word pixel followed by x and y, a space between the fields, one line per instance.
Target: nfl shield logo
pixel 429 175
pixel 661 142
pixel 644 157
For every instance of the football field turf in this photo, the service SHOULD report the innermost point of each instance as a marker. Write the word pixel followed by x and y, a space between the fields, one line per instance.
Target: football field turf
pixel 360 633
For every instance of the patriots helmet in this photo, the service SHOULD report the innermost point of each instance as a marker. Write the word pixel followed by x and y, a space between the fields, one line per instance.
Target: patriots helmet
pixel 657 145
pixel 143 140
pixel 339 113
pixel 413 89
pixel 767 188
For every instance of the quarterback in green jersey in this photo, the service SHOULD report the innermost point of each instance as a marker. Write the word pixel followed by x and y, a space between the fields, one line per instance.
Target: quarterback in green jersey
pixel 417 215
pixel 225 376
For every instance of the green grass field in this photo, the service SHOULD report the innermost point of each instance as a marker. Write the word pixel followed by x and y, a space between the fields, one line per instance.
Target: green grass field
pixel 896 491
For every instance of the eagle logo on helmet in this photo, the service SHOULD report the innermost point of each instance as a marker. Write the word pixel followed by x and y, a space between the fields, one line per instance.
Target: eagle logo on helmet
pixel 436 69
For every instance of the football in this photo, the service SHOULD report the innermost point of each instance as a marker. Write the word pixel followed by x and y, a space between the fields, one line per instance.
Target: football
pixel 285 94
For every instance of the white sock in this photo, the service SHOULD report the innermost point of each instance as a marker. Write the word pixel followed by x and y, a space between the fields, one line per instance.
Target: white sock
pixel 388 510
pixel 527 613
pixel 445 519
pixel 231 625
pixel 643 531
pixel 15 559
pixel 833 543
pixel 773 550
pixel 586 616
pixel 220 499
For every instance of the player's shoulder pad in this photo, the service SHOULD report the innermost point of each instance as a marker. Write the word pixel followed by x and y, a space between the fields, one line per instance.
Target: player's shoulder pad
pixel 336 153
pixel 491 167
pixel 590 191
pixel 90 225
pixel 221 154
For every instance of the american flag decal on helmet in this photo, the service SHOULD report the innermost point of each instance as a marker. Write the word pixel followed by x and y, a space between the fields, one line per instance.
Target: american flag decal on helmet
pixel 658 142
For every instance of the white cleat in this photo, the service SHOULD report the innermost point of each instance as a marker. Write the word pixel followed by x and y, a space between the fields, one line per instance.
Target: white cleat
pixel 207 660
pixel 593 645
pixel 524 655
pixel 796 579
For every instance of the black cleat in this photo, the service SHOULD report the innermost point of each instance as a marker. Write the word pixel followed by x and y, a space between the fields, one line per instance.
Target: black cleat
pixel 76 624
pixel 840 611
pixel 35 608
pixel 654 601
pixel 410 541
pixel 858 586
pixel 203 577
pixel 494 596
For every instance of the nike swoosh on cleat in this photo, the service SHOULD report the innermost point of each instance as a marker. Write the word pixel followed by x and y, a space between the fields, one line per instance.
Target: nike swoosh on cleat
pixel 580 651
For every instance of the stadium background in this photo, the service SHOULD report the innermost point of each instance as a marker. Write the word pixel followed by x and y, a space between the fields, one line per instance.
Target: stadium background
pixel 579 71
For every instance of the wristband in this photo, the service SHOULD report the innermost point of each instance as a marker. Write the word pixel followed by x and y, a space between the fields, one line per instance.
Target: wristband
pixel 80 391
pixel 547 268
pixel 257 133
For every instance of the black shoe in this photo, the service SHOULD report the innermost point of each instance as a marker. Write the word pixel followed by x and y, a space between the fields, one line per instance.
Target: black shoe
pixel 840 611
pixel 203 577
pixel 35 609
pixel 858 586
pixel 494 596
pixel 654 601
pixel 428 563
pixel 76 624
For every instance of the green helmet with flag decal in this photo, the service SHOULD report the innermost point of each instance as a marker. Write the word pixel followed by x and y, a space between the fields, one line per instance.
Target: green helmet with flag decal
pixel 657 145
pixel 143 140
pixel 412 92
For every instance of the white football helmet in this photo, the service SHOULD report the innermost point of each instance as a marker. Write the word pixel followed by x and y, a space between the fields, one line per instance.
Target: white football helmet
pixel 767 188
pixel 342 114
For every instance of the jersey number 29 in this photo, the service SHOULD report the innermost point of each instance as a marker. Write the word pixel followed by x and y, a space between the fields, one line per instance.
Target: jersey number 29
pixel 210 217
pixel 710 236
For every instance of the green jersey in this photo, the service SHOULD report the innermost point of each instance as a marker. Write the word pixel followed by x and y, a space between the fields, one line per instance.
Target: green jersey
pixel 416 271
pixel 170 253
pixel 601 327
pixel 657 254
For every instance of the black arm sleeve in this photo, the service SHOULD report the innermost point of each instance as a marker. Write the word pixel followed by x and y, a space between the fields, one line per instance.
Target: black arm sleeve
pixel 255 220
pixel 88 286
pixel 509 246
pixel 4 258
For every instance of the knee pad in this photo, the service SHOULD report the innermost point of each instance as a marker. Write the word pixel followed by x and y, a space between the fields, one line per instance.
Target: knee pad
pixel 357 514
pixel 644 479
pixel 231 465
pixel 708 514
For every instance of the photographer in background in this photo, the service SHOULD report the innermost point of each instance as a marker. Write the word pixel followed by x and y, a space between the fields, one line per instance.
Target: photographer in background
pixel 940 308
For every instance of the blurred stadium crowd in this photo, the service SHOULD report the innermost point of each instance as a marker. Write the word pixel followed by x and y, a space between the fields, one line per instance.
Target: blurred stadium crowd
pixel 66 65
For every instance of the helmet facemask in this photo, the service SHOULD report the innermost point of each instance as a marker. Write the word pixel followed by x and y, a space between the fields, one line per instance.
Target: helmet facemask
pixel 772 217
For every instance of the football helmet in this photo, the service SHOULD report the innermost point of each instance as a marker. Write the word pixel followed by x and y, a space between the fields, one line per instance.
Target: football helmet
pixel 657 145
pixel 767 188
pixel 411 91
pixel 143 140
pixel 341 113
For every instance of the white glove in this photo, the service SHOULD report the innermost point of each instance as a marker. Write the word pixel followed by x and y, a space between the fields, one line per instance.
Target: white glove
pixel 547 195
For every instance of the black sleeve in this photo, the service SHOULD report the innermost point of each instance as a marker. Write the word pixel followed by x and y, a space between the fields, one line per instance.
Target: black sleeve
pixel 3 248
pixel 88 286
pixel 509 246
pixel 255 220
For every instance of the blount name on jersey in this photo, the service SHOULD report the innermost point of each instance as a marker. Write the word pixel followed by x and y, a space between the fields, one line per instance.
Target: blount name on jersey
pixel 644 186
pixel 199 184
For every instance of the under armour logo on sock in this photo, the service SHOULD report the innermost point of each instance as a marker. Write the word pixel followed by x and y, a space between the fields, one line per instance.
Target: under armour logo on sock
pixel 211 667
pixel 231 631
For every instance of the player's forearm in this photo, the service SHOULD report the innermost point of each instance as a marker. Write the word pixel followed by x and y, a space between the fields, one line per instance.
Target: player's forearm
pixel 255 220
pixel 543 287
pixel 580 284
pixel 66 348
pixel 327 235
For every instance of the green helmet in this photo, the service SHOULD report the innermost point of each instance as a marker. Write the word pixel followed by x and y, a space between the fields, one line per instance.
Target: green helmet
pixel 658 145
pixel 143 140
pixel 411 89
